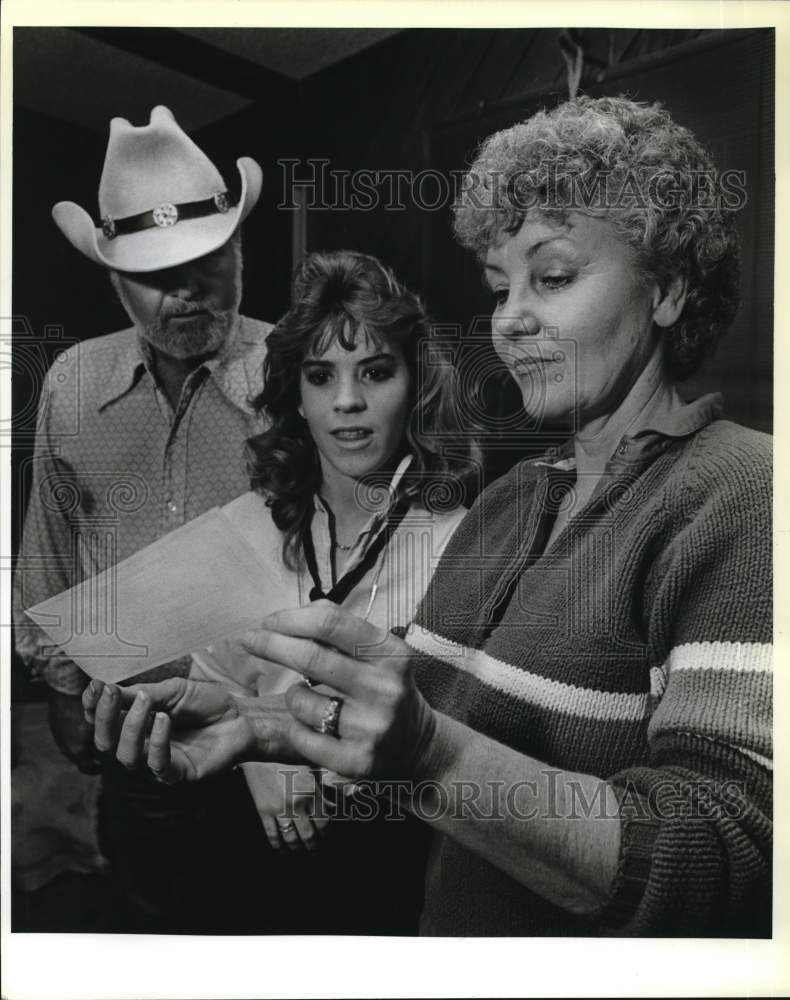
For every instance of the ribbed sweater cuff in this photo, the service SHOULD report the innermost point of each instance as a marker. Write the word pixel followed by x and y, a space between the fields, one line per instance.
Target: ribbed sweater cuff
pixel 637 840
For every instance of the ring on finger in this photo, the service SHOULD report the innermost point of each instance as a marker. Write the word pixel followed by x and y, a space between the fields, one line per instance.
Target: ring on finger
pixel 287 826
pixel 331 717
pixel 161 776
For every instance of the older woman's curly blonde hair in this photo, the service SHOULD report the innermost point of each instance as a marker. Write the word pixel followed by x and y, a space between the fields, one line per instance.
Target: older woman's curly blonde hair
pixel 629 163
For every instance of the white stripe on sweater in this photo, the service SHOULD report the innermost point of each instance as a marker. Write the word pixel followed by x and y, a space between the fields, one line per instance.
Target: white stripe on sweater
pixel 531 688
pixel 755 657
pixel 766 762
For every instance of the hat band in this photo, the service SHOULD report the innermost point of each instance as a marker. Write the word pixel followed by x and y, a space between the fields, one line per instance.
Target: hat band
pixel 166 214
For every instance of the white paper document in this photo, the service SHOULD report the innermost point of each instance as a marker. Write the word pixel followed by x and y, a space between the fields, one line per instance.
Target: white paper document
pixel 197 584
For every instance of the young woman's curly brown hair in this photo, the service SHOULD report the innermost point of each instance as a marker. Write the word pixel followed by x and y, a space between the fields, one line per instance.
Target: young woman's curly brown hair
pixel 341 296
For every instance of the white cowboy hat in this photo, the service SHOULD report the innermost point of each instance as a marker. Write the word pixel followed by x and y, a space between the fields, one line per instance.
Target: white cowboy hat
pixel 162 202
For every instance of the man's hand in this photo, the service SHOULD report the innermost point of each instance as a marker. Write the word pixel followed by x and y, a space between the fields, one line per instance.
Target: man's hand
pixel 183 730
pixel 73 735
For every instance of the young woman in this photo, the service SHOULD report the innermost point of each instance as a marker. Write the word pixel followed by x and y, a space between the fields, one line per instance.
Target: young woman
pixel 357 487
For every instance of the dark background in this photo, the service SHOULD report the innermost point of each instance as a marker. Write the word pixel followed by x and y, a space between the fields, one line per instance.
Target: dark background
pixel 379 99
pixel 361 99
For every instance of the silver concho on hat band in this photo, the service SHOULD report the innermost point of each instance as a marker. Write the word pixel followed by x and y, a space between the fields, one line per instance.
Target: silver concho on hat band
pixel 222 201
pixel 108 227
pixel 165 214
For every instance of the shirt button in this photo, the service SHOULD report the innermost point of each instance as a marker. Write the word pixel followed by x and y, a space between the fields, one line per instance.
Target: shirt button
pixel 172 507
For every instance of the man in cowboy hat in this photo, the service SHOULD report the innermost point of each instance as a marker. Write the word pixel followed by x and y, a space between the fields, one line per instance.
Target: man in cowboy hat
pixel 139 432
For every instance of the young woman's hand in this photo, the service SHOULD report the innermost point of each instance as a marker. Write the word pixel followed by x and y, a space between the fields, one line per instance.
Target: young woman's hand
pixel 379 724
pixel 290 804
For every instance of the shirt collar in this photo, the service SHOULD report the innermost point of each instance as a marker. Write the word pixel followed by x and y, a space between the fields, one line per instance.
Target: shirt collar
pixel 655 431
pixel 373 526
pixel 129 365
pixel 685 420
pixel 133 359
pixel 392 487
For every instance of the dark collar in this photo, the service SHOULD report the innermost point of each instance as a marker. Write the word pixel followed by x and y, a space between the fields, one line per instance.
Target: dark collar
pixel 686 419
pixel 656 433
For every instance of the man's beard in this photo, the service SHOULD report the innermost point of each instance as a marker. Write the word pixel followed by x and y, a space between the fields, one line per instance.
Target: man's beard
pixel 202 334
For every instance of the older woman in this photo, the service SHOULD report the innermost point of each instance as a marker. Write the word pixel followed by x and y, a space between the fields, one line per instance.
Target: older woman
pixel 591 735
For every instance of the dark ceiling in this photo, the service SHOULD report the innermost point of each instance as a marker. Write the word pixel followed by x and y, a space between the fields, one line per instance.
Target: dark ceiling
pixel 202 74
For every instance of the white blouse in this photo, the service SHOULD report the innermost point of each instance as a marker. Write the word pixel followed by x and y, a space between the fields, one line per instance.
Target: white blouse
pixel 387 595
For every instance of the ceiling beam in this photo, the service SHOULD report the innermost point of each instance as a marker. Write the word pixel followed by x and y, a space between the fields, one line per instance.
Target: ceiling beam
pixel 194 57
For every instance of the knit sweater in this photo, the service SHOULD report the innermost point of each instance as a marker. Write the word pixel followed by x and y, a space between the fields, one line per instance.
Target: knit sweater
pixel 636 649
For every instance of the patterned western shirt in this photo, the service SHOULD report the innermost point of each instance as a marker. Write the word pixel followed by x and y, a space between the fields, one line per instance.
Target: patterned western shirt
pixel 115 467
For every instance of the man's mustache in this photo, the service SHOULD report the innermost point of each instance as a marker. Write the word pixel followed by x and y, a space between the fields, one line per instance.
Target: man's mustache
pixel 201 308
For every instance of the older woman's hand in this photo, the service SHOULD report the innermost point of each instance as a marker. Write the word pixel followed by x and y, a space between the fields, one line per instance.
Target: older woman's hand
pixel 379 723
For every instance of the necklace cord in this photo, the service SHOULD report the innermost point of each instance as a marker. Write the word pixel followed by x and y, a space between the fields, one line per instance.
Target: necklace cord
pixel 343 587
